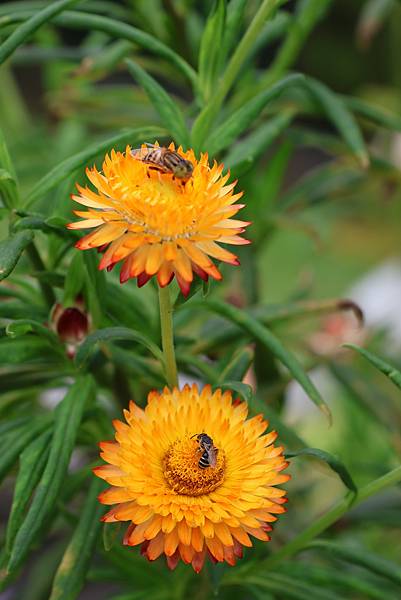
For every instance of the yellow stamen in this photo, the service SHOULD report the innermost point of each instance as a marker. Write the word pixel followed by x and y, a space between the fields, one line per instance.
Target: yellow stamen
pixel 183 473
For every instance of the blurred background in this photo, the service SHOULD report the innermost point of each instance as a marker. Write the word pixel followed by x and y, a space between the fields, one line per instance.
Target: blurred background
pixel 327 229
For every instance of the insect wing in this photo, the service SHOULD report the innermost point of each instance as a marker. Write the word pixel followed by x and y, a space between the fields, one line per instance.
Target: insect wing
pixel 212 456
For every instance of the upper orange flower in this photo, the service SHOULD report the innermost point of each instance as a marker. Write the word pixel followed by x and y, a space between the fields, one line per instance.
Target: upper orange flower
pixel 158 224
pixel 180 502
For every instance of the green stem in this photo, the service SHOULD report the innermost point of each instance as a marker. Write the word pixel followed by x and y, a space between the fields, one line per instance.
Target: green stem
pixel 207 116
pixel 38 265
pixel 326 520
pixel 166 324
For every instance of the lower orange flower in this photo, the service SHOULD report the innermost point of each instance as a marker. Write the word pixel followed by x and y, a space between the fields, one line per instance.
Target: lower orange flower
pixel 187 495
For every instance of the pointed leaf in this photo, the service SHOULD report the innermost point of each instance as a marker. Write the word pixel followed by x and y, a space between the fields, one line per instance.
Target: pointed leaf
pixel 73 569
pixel 333 461
pixel 210 48
pixel 71 164
pixel 243 389
pixel 266 337
pixel 67 419
pixel 257 142
pixel 32 463
pixel 238 366
pixel 110 334
pixel 168 110
pixel 391 372
pixel 14 446
pixel 11 250
pixel 358 556
pixel 342 119
pixel 24 31
pixel 241 119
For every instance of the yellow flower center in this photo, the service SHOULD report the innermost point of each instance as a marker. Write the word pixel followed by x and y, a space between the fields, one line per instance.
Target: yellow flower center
pixel 158 205
pixel 182 470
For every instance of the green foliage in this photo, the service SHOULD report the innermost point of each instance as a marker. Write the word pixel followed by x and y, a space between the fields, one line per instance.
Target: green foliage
pixel 261 85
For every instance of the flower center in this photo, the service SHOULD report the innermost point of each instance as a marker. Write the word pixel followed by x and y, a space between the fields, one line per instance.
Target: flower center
pixel 182 470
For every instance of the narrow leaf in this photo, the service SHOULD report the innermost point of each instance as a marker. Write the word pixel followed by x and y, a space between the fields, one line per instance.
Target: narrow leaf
pixel 343 120
pixel 110 334
pixel 234 22
pixel 32 463
pixel 74 279
pixel 238 366
pixel 72 571
pixel 11 250
pixel 257 142
pixel 266 337
pixel 391 372
pixel 241 119
pixel 377 114
pixel 68 416
pixel 24 31
pixel 14 446
pixel 333 461
pixel 243 389
pixel 8 189
pixel 168 110
pixel 27 326
pixel 358 556
pixel 210 48
pixel 71 164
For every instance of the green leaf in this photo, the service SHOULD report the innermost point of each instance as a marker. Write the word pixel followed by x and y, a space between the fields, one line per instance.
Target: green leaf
pixel 392 373
pixel 266 337
pixel 168 110
pixel 333 461
pixel 67 419
pixel 110 334
pixel 5 159
pixel 243 389
pixel 206 118
pixel 53 225
pixel 20 351
pixel 378 115
pixel 8 189
pixel 96 285
pixel 32 463
pixel 110 534
pixel 11 250
pixel 14 446
pixel 72 571
pixel 359 556
pixel 89 22
pixel 24 326
pixel 210 49
pixel 249 149
pixel 321 184
pixel 241 119
pixel 342 119
pixel 238 366
pixel 74 279
pixel 71 164
pixel 22 33
pixel 234 23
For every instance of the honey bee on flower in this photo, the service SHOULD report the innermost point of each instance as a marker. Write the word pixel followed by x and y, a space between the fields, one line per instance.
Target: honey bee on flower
pixel 178 508
pixel 157 222
pixel 165 160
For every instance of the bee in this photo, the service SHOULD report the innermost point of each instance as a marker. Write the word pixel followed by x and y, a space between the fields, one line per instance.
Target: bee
pixel 209 452
pixel 164 160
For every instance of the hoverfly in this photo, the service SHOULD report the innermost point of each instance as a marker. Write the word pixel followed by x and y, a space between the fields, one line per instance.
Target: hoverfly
pixel 164 160
pixel 209 452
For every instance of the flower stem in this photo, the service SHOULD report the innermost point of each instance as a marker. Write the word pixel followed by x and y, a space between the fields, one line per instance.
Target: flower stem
pixel 166 324
pixel 331 516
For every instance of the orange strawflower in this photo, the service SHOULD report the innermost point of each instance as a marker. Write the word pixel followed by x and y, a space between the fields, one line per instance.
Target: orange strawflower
pixel 174 506
pixel 157 224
